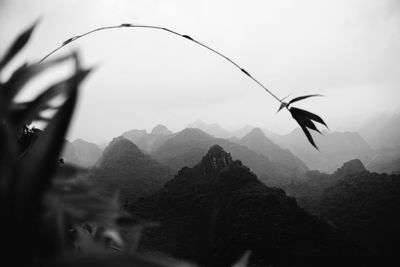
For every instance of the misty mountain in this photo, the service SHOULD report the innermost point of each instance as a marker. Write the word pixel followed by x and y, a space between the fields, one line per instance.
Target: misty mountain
pixel 87 153
pixel 149 142
pixel 212 129
pixel 335 148
pixel 152 141
pixel 125 169
pixel 310 188
pixel 371 129
pixel 161 130
pixel 187 147
pixel 382 130
pixel 363 204
pixel 69 154
pixel 240 133
pixel 258 142
pixel 133 135
pixel 385 160
pixel 214 212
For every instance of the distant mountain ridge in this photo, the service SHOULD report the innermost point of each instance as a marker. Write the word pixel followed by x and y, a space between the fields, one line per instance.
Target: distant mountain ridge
pixel 125 168
pixel 334 148
pixel 213 129
pixel 81 153
pixel 149 142
pixel 187 147
pixel 258 142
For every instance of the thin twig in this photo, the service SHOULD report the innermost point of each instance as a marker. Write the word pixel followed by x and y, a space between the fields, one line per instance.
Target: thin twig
pixel 125 25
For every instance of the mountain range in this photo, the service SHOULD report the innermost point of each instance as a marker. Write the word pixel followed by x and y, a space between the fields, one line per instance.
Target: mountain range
pixel 149 142
pixel 187 147
pixel 213 212
pixel 81 153
pixel 335 148
pixel 125 169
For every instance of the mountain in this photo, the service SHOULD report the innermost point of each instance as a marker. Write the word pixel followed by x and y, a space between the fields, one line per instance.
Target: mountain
pixel 371 130
pixel 240 133
pixel 161 130
pixel 212 129
pixel 87 153
pixel 124 168
pixel 187 147
pixel 258 142
pixel 385 160
pixel 133 135
pixel 212 213
pixel 69 154
pixel 310 187
pixel 363 204
pixel 382 130
pixel 148 143
pixel 366 206
pixel 335 148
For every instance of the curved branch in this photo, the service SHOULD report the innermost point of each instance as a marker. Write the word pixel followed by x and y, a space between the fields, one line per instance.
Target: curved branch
pixel 126 25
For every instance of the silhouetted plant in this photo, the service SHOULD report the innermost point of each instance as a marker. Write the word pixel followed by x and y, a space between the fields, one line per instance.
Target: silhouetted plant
pixel 302 117
pixel 47 213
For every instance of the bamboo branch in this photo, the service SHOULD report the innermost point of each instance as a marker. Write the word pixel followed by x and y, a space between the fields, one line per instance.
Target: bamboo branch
pixel 126 25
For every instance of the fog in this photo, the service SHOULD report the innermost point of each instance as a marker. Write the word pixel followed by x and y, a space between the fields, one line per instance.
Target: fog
pixel 346 50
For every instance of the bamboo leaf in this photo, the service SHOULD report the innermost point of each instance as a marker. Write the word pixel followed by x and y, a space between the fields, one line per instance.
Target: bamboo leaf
pixel 307 114
pixel 309 124
pixel 301 98
pixel 41 102
pixel 39 164
pixel 307 133
pixel 18 44
pixel 27 72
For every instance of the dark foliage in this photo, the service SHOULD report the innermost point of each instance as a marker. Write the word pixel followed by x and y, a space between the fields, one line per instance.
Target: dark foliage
pixel 215 211
pixel 365 205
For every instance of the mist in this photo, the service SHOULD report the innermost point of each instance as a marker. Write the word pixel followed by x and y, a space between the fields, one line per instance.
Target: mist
pixel 344 50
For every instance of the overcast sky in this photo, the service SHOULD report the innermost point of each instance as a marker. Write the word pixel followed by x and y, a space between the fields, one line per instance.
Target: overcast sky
pixel 347 50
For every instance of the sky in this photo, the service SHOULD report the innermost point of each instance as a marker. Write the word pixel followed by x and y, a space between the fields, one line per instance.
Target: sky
pixel 346 50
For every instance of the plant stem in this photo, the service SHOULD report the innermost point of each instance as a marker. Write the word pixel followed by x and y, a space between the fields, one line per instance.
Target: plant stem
pixel 72 39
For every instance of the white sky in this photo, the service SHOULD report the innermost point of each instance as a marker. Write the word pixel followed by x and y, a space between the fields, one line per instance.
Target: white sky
pixel 347 50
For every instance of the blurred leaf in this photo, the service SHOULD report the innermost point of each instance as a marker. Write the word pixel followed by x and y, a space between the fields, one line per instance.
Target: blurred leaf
pixel 41 102
pixel 107 259
pixel 25 73
pixel 85 241
pixel 68 171
pixel 301 98
pixel 243 261
pixel 40 162
pixel 18 44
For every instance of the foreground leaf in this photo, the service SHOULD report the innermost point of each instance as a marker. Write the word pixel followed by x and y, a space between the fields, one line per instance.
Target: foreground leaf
pixel 18 44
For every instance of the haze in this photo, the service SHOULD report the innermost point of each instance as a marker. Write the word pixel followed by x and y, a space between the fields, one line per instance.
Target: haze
pixel 346 50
